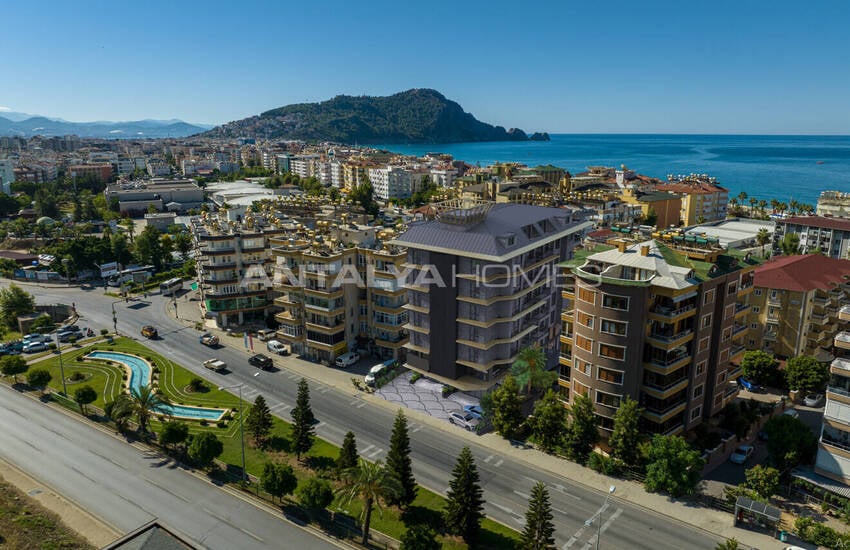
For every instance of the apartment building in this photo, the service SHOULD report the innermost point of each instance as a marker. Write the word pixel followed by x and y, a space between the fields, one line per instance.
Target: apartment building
pixel 829 235
pixel 833 203
pixel 703 200
pixel 7 175
pixel 658 323
pixel 482 285
pixel 395 182
pixel 340 288
pixel 833 458
pixel 101 173
pixel 235 268
pixel 795 304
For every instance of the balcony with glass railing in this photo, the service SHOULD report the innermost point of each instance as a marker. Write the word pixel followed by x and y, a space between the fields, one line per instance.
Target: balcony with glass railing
pixel 844 313
pixel 842 340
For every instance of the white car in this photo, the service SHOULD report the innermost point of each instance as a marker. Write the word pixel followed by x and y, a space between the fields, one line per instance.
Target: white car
pixel 278 347
pixel 792 413
pixel 813 400
pixel 373 374
pixel 464 419
pixel 346 359
pixel 34 347
pixel 741 454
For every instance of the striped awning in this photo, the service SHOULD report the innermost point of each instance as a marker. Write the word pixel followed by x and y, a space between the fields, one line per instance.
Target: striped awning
pixel 822 481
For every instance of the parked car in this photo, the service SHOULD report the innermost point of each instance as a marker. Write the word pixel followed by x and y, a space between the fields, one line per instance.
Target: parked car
pixel 464 419
pixel 72 328
pixel 66 335
pixel 266 334
pixel 474 410
pixel 792 413
pixel 15 347
pixel 741 454
pixel 215 364
pixel 149 331
pixel 261 361
pixel 748 385
pixel 813 400
pixel 208 339
pixel 278 347
pixel 379 370
pixel 346 359
pixel 34 347
pixel 35 337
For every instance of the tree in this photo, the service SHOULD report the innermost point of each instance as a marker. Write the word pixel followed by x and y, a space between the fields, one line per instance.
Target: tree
pixel 582 432
pixel 39 378
pixel 278 480
pixel 764 480
pixel 15 301
pixel 673 466
pixel 759 366
pixel 167 245
pixel 790 244
pixel 174 432
pixel 120 249
pixel 315 494
pixel 129 225
pixel 371 483
pixel 149 247
pixel 144 401
pixel 120 411
pixel 529 369
pixel 347 453
pixel 465 501
pixel 789 442
pixel 651 217
pixel 44 324
pixel 259 421
pixel 419 537
pixel 399 463
pixel 83 396
pixel 204 448
pixel 625 437
pixel 504 408
pixel 183 245
pixel 549 422
pixel 539 530
pixel 805 374
pixel 13 365
pixel 763 238
pixel 728 544
pixel 302 421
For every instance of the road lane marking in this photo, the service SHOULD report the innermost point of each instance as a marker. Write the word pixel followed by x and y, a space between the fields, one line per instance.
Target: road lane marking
pixel 252 535
pixel 83 474
pixel 488 459
pixel 374 454
pixel 504 508
pixel 499 463
pixel 366 450
pixel 108 459
pixel 417 428
pixel 361 405
pixel 523 495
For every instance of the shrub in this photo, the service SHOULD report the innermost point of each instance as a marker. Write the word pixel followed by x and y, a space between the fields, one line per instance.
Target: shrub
pixel 79 358
pixel 197 385
pixel 416 376
pixel 77 376
pixel 221 424
pixel 51 346
pixel 605 465
pixel 204 422
pixel 448 390
pixel 315 494
pixel 104 332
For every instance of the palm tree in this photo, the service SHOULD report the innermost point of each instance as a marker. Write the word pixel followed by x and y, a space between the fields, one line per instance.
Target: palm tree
pixel 774 204
pixel 763 237
pixel 742 196
pixel 144 402
pixel 372 483
pixel 120 411
pixel 793 206
pixel 753 202
pixel 529 363
pixel 762 205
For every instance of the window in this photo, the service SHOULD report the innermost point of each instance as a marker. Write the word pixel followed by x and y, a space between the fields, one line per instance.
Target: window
pixel 754 325
pixel 732 289
pixel 721 377
pixel 579 388
pixel 756 309
pixel 612 352
pixel 584 319
pixel 771 312
pixel 773 294
pixel 584 343
pixel 729 312
pixel 696 413
pixel 582 366
pixel 727 334
pixel 757 292
pixel 701 368
pixel 724 355
pixel 611 301
pixel 607 399
pixel 706 321
pixel 613 327
pixel 703 344
pixel 708 297
pixel 609 375
pixel 586 295
pixel 698 391
pixel 718 399
pixel 751 342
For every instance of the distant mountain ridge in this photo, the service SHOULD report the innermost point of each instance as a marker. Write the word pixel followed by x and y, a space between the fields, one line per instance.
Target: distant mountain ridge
pixel 44 126
pixel 415 116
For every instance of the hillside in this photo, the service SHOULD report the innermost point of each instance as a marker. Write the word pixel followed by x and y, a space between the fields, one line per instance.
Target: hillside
pixel 43 126
pixel 414 116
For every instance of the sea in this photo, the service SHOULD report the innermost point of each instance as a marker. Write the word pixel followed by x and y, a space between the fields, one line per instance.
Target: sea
pixel 765 167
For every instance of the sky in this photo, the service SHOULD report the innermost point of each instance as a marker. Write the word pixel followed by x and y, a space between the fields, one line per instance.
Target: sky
pixel 743 66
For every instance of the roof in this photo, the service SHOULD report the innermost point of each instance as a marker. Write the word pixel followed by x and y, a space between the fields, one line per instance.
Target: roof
pixel 152 536
pixel 772 513
pixel 696 188
pixel 822 481
pixel 802 273
pixel 656 197
pixel 824 222
pixel 500 236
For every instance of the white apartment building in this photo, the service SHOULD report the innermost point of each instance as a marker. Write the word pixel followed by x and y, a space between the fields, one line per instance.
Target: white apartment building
pixel 443 177
pixel 394 182
pixel 303 166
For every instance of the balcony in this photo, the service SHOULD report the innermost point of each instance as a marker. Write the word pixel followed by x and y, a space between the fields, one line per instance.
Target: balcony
pixel 738 330
pixel 664 366
pixel 844 313
pixel 669 341
pixel 842 340
pixel 216 251
pixel 819 319
pixel 736 351
pixel 392 343
pixel 745 288
pixel 325 292
pixel 288 317
pixel 663 391
pixel 658 416
pixel 671 314
pixel 840 366
pixel 741 309
pixel 324 327
pixel 287 300
pixel 820 300
pixel 837 393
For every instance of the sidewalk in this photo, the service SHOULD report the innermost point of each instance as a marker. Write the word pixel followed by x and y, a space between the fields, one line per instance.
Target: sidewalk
pixel 716 523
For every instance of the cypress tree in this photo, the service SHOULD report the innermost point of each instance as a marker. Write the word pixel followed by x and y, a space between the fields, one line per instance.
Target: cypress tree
pixel 399 463
pixel 539 530
pixel 302 421
pixel 348 453
pixel 259 421
pixel 465 506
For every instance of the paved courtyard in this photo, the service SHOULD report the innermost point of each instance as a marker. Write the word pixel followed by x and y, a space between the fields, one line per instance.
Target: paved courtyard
pixel 424 395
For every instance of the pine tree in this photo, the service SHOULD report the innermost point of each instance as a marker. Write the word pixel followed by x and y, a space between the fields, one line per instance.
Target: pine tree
pixel 399 463
pixel 259 421
pixel 348 453
pixel 465 503
pixel 539 529
pixel 302 421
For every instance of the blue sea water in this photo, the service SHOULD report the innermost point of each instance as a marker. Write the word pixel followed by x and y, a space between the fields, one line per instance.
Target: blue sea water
pixel 766 167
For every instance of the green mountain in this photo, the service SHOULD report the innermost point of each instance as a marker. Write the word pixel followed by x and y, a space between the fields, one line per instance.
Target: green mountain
pixel 414 116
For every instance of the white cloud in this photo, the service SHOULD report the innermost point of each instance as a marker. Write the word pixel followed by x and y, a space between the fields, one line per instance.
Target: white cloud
pixel 5 108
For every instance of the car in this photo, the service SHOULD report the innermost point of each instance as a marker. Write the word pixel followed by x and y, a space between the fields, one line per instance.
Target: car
pixel 813 400
pixel 215 364
pixel 266 334
pixel 208 339
pixel 149 331
pixel 72 328
pixel 741 454
pixel 35 337
pixel 748 385
pixel 66 335
pixel 15 347
pixel 261 361
pixel 277 347
pixel 792 413
pixel 346 359
pixel 474 410
pixel 34 347
pixel 464 419
pixel 379 370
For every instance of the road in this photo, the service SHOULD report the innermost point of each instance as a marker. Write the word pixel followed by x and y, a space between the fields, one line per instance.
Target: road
pixel 507 482
pixel 127 487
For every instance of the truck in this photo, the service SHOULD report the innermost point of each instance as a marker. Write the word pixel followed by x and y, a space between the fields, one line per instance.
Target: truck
pixel 215 364
pixel 208 339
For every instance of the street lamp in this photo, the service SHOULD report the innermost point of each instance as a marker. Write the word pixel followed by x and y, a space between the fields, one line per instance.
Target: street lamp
pixel 114 317
pixel 61 366
pixel 241 426
pixel 611 490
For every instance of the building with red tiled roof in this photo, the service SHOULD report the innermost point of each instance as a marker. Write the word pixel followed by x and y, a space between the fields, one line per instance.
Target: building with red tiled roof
pixel 702 199
pixel 795 303
pixel 829 235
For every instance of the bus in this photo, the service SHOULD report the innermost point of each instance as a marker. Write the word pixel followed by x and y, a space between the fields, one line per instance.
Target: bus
pixel 171 286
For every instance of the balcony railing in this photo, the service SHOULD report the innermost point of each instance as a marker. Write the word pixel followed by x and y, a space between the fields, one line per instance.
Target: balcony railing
pixel 736 350
pixel 741 308
pixel 667 410
pixel 673 312
pixel 671 337
pixel 843 444
pixel 667 386
pixel 668 361
pixel 738 329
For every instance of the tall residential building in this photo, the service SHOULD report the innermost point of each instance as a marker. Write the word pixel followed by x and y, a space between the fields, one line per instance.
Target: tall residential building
pixel 794 307
pixel 833 458
pixel 833 203
pixel 658 324
pixel 481 285
pixel 829 235
pixel 340 288
pixel 395 182
pixel 7 175
pixel 235 268
pixel 702 199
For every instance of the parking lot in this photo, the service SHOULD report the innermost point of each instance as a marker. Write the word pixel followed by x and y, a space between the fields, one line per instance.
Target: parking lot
pixel 424 395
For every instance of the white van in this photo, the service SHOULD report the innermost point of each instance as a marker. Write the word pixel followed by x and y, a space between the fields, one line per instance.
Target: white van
pixel 215 364
pixel 266 334
pixel 278 347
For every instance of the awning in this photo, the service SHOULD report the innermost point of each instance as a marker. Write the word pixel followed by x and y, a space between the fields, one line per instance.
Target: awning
pixel 767 511
pixel 822 481
pixel 685 296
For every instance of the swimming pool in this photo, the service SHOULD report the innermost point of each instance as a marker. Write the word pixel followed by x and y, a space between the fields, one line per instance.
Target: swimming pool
pixel 140 376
